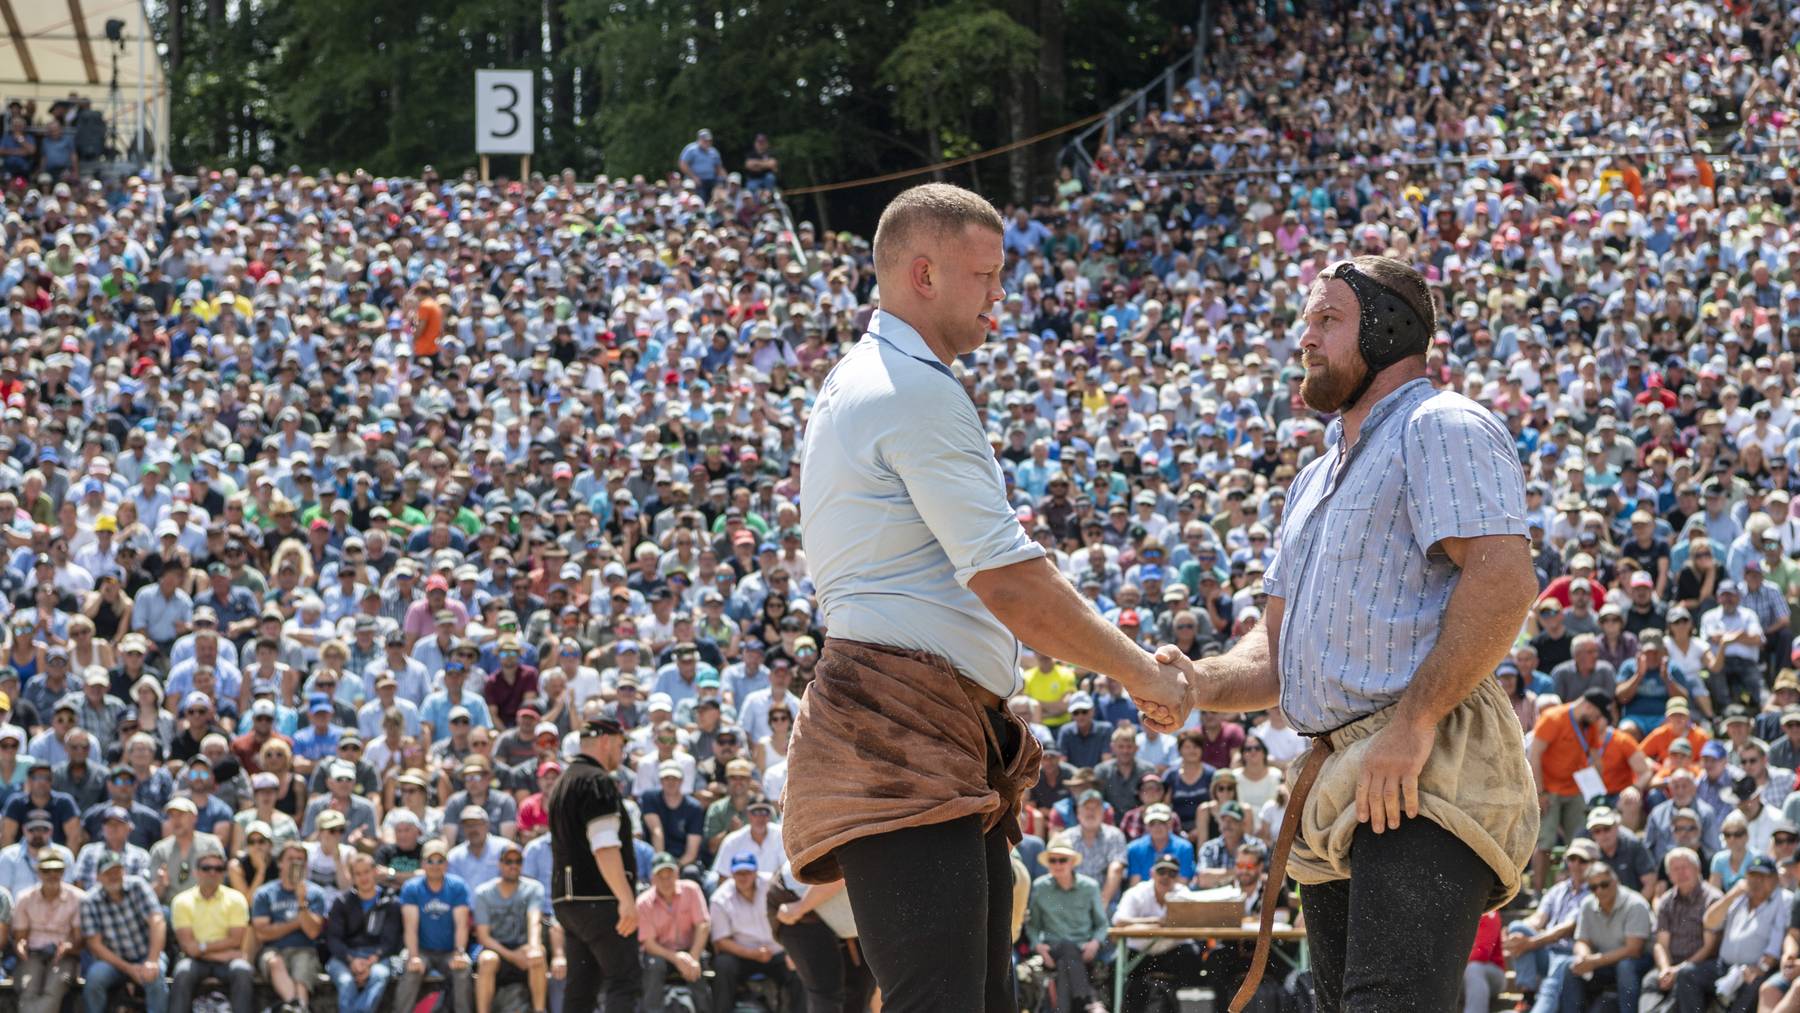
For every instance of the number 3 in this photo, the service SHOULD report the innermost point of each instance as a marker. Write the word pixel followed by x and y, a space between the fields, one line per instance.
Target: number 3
pixel 507 109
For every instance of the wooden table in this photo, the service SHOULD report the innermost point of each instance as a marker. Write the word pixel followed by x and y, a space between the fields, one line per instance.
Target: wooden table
pixel 1127 959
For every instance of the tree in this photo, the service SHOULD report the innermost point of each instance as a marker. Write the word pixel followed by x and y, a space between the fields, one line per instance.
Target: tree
pixel 946 75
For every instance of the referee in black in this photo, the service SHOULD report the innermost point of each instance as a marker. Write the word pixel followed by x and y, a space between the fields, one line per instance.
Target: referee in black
pixel 595 892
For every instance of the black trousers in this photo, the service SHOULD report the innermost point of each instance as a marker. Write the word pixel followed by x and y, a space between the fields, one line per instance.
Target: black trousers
pixel 1396 935
pixel 933 905
pixel 833 983
pixel 604 973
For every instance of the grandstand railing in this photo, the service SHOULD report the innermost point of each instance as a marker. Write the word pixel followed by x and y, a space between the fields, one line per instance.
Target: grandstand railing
pixel 1136 105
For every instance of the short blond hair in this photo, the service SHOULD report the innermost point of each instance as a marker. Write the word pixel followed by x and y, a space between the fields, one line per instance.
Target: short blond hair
pixel 937 209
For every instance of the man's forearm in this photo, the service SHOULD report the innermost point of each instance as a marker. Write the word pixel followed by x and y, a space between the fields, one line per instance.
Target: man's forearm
pixel 1494 591
pixel 1241 679
pixel 1046 613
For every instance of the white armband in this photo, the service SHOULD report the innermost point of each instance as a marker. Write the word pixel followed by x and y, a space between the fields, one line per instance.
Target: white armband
pixel 603 832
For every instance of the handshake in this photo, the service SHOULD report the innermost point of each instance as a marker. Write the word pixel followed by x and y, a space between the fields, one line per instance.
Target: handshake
pixel 1165 688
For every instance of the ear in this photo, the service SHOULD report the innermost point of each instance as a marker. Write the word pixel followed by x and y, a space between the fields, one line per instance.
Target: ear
pixel 923 275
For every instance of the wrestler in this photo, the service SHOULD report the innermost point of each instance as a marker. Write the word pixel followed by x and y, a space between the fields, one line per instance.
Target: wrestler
pixel 905 768
pixel 1401 576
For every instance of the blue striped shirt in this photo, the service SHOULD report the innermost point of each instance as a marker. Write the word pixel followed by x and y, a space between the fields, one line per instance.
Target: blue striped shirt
pixel 1356 561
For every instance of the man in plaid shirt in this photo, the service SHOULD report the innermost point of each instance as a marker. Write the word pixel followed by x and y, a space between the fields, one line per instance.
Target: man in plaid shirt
pixel 125 931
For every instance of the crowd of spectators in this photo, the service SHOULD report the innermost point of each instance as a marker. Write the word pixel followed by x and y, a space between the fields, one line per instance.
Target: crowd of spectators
pixel 331 503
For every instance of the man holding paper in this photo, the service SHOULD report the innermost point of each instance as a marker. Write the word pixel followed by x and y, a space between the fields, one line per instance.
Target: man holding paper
pixel 1569 754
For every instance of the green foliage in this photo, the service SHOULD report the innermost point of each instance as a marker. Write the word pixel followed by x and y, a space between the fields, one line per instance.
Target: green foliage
pixel 844 89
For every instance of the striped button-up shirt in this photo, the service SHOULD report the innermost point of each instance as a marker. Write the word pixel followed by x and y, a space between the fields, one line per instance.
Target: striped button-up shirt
pixel 1356 560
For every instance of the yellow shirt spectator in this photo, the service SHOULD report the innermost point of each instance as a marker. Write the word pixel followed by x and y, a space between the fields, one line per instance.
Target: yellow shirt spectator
pixel 1051 687
pixel 219 918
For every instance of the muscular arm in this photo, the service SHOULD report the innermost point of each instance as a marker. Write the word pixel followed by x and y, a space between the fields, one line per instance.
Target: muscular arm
pixel 1496 587
pixel 1044 610
pixel 1244 678
pixel 1490 600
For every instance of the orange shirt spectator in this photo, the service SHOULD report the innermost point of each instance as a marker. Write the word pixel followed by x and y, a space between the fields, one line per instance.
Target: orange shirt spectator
pixel 1563 753
pixel 1677 724
pixel 429 328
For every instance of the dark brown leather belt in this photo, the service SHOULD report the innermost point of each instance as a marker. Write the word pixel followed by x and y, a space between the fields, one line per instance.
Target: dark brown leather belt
pixel 1284 843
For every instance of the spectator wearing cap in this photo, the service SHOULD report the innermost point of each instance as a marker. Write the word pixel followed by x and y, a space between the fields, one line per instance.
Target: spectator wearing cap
pixel 1617 645
pixel 1569 738
pixel 1770 605
pixel 412 678
pixel 174 857
pixel 19 860
pixel 1160 840
pixel 121 792
pixel 512 682
pixel 316 742
pixel 46 932
pixel 213 931
pixel 674 928
pixel 1216 861
pixel 760 837
pixel 97 710
pixel 1717 774
pixel 753 712
pixel 1539 946
pixel 743 940
pixel 40 795
pixel 1734 638
pixel 113 839
pixel 1100 844
pixel 438 710
pixel 277 825
pixel 674 823
pixel 341 795
pixel 477 857
pixel 730 812
pixel 1065 924
pixel 1147 904
pixel 1659 828
pixel 1084 741
pixel 1644 610
pixel 507 916
pixel 125 931
pixel 363 938
pixel 1553 642
pixel 1650 681
pixel 1677 725
pixel 476 775
pixel 436 916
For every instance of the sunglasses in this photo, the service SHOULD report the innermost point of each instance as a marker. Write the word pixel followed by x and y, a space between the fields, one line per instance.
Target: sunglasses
pixel 1059 860
pixel 212 868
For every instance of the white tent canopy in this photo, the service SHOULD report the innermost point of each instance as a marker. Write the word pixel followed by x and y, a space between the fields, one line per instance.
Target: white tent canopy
pixel 51 49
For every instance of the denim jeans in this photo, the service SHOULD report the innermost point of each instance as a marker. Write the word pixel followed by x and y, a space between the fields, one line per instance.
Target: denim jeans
pixel 1624 977
pixel 101 978
pixel 351 999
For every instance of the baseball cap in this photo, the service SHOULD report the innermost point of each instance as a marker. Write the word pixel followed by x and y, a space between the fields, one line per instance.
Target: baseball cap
pixel 1158 813
pixel 744 862
pixel 1080 702
pixel 1602 816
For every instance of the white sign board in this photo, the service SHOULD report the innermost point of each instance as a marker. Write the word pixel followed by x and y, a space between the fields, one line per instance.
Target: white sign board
pixel 503 112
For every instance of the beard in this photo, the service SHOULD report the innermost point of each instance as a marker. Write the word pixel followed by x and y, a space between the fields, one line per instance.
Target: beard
pixel 1330 388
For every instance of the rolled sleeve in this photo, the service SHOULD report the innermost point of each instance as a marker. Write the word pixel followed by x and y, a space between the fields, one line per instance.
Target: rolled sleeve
pixel 1463 478
pixel 955 484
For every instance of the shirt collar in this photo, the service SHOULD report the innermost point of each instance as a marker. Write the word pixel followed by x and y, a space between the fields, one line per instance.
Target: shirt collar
pixel 902 335
pixel 1383 408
